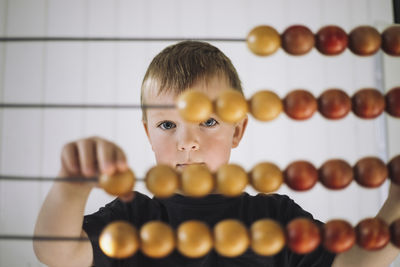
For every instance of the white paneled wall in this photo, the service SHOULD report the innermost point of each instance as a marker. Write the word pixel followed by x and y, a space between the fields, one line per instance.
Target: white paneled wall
pixel 111 73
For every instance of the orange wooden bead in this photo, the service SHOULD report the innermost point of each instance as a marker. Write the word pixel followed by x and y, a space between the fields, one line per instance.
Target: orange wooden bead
pixel 265 105
pixel 338 236
pixel 194 106
pixel 194 239
pixel 157 239
pixel 335 174
pixel 263 40
pixel 266 177
pixel 331 40
pixel 392 100
pixel 119 183
pixel 391 40
pixel 300 175
pixel 231 238
pixel 370 172
pixel 368 103
pixel 364 41
pixel 372 234
pixel 395 233
pixel 300 105
pixel 162 181
pixel 297 40
pixel 231 180
pixel 197 180
pixel 267 237
pixel 303 235
pixel 334 104
pixel 119 240
pixel 231 106
pixel 394 169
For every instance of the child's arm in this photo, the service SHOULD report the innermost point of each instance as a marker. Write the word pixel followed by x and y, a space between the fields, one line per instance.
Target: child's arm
pixel 63 209
pixel 389 212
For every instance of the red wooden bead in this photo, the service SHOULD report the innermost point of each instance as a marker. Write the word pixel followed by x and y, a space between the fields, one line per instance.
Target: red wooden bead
pixel 334 104
pixel 364 40
pixel 372 234
pixel 303 235
pixel 300 105
pixel 392 99
pixel 331 40
pixel 370 172
pixel 395 233
pixel 394 169
pixel 297 40
pixel 338 236
pixel 391 40
pixel 335 174
pixel 368 103
pixel 301 175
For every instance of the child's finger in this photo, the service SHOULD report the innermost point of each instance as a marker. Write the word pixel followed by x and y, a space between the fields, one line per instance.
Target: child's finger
pixel 106 156
pixel 70 160
pixel 87 157
pixel 122 164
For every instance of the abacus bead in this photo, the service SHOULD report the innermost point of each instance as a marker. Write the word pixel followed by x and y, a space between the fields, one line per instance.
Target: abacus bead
pixel 197 180
pixel 119 240
pixel 338 236
pixel 117 184
pixel 266 177
pixel 372 234
pixel 394 169
pixel 368 103
pixel 263 40
pixel 267 237
pixel 231 180
pixel 194 239
pixel 335 174
pixel 392 100
pixel 300 175
pixel 303 235
pixel 364 41
pixel 231 238
pixel 297 40
pixel 265 105
pixel 334 104
pixel 391 40
pixel 300 105
pixel 395 233
pixel 231 106
pixel 331 40
pixel 162 181
pixel 157 239
pixel 370 172
pixel 194 106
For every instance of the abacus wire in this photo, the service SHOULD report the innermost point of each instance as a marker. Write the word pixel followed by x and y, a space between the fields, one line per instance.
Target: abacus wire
pixel 114 39
pixel 43 238
pixel 15 178
pixel 81 106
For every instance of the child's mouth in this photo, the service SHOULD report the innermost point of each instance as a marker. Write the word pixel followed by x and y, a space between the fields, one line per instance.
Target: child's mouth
pixel 183 165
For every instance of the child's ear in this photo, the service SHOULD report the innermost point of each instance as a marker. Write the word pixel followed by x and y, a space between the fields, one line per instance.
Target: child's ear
pixel 240 127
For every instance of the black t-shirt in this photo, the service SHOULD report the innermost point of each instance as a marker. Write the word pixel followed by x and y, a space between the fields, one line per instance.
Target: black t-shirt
pixel 210 209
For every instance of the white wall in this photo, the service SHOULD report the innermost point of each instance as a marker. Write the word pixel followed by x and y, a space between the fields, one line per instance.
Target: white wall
pixel 111 72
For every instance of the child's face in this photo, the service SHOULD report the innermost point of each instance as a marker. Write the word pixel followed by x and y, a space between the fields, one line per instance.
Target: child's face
pixel 177 143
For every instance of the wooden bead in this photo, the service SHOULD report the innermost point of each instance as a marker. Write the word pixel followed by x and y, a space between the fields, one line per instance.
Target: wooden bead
pixel 370 172
pixel 395 233
pixel 265 105
pixel 231 238
pixel 157 239
pixel 263 40
pixel 231 106
pixel 231 180
pixel 391 40
pixel 194 106
pixel 162 181
pixel 368 103
pixel 334 104
pixel 266 177
pixel 297 40
pixel 197 181
pixel 335 174
pixel 372 234
pixel 331 40
pixel 392 100
pixel 267 237
pixel 119 240
pixel 364 41
pixel 300 175
pixel 338 236
pixel 300 105
pixel 394 170
pixel 303 235
pixel 194 239
pixel 119 183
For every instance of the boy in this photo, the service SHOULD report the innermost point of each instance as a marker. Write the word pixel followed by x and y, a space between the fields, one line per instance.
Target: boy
pixel 198 66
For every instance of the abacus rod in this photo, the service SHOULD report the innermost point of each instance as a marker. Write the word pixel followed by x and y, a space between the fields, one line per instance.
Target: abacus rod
pixel 81 106
pixel 114 39
pixel 15 178
pixel 43 238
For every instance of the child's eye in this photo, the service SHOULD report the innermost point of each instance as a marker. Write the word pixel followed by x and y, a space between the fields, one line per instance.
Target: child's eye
pixel 166 125
pixel 210 122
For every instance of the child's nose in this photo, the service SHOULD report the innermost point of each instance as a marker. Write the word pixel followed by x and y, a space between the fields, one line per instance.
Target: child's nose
pixel 188 142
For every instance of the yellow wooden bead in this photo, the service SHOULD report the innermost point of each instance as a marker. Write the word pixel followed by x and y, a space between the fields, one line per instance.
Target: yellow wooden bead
pixel 194 106
pixel 119 183
pixel 265 105
pixel 266 177
pixel 231 180
pixel 231 106
pixel 157 239
pixel 231 238
pixel 119 240
pixel 197 180
pixel 267 237
pixel 263 40
pixel 194 239
pixel 162 181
